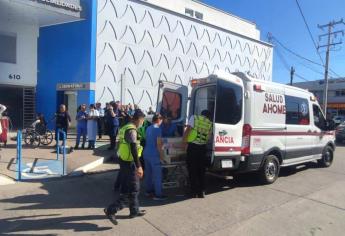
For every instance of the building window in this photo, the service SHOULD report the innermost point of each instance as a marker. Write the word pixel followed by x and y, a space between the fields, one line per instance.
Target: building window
pixel 340 93
pixel 199 15
pixel 189 12
pixel 297 111
pixel 8 49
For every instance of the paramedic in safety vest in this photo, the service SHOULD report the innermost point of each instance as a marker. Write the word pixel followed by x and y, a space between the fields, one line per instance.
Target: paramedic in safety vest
pixel 129 152
pixel 197 135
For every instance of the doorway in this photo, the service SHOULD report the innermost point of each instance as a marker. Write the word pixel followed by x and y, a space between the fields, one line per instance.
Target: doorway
pixel 12 98
pixel 70 100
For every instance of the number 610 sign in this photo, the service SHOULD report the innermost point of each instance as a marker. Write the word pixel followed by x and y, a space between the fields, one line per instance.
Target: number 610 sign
pixel 14 76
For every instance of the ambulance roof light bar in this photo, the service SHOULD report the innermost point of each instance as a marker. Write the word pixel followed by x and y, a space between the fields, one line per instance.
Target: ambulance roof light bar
pixel 196 82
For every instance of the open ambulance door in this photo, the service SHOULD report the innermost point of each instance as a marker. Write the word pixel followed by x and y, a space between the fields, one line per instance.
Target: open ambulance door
pixel 172 102
pixel 228 123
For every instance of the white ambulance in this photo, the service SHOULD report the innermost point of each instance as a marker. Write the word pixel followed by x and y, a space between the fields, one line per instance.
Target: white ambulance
pixel 259 126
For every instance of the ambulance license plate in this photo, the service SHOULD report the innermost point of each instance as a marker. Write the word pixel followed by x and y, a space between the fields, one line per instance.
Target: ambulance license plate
pixel 227 164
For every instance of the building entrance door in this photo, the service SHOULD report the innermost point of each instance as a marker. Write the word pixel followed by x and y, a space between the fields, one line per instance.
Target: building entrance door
pixel 12 98
pixel 70 100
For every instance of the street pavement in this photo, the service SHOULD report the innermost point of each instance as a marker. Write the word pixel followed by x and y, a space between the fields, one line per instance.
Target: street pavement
pixel 303 201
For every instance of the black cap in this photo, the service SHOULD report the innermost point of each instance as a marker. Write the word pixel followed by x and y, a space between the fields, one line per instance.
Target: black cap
pixel 138 114
pixel 207 114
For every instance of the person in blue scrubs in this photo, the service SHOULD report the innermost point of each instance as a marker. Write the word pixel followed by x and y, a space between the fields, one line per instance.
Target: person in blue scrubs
pixel 153 156
pixel 81 126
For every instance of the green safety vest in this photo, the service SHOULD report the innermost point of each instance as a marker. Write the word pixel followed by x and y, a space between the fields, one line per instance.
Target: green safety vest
pixel 124 151
pixel 200 131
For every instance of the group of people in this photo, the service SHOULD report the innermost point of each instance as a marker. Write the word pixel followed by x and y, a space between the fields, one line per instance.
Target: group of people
pixel 139 148
pixel 95 120
pixel 195 138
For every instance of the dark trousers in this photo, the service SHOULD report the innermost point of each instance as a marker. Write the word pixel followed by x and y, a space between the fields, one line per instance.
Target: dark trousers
pixel 196 156
pixel 130 188
pixel 119 183
pixel 112 134
pixel 100 124
pixel 60 135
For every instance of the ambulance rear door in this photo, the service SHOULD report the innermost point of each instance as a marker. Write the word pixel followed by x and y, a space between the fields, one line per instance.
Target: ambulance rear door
pixel 228 121
pixel 172 101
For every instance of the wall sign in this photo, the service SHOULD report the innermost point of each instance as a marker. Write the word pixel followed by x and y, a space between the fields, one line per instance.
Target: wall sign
pixel 62 4
pixel 74 86
pixel 14 76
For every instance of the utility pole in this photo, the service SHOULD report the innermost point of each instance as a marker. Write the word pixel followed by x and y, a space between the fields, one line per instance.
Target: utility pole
pixel 292 73
pixel 329 44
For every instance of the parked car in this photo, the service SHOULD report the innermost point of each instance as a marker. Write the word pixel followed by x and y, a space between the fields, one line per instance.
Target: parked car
pixel 340 133
pixel 338 119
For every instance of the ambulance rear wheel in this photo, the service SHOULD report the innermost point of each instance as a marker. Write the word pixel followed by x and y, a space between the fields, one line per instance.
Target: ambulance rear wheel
pixel 270 170
pixel 327 157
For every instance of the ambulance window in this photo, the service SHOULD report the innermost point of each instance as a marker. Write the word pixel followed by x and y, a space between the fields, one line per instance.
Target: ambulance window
pixel 297 111
pixel 229 103
pixel 204 99
pixel 319 119
pixel 171 105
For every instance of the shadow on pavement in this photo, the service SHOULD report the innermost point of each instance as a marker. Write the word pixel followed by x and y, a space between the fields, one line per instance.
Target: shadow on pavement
pixel 50 222
pixel 96 191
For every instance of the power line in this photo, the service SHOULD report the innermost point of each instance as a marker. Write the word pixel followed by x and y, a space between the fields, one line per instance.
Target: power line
pixel 287 67
pixel 298 55
pixel 312 38
pixel 311 68
pixel 309 31
pixel 301 77
pixel 329 44
pixel 295 53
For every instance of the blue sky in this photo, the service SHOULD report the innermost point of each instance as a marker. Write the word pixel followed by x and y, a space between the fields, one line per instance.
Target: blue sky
pixel 283 19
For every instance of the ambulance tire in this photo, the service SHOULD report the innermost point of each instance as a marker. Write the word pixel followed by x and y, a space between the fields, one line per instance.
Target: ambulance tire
pixel 327 157
pixel 269 171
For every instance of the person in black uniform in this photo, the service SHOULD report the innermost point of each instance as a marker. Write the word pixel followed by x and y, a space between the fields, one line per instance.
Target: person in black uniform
pixel 62 121
pixel 129 152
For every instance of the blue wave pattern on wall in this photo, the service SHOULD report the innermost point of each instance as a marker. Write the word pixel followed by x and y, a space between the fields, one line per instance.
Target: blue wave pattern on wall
pixel 138 45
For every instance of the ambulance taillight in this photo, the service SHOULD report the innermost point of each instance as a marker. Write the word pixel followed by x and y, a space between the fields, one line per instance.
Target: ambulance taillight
pixel 247 130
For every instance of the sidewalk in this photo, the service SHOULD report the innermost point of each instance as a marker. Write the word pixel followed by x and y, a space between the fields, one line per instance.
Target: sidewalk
pixel 78 162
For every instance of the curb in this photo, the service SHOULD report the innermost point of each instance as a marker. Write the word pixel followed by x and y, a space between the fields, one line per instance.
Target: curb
pixel 4 180
pixel 86 168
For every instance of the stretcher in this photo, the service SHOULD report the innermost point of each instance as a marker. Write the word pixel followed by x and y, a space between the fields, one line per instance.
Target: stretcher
pixel 175 173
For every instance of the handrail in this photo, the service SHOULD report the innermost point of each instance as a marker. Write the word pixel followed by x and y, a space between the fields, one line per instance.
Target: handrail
pixel 64 163
pixel 19 155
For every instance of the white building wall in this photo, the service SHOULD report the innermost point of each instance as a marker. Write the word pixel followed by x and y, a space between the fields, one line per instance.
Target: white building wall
pixel 26 65
pixel 138 45
pixel 212 16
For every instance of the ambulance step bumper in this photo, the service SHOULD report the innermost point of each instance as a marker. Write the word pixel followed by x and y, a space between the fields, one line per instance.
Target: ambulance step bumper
pixel 239 163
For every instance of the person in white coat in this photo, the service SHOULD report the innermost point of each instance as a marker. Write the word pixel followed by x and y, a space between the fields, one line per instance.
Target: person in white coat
pixel 92 127
pixel 2 109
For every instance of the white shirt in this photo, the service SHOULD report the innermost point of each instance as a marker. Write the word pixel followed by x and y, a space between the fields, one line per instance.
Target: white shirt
pixel 101 112
pixel 2 109
pixel 93 113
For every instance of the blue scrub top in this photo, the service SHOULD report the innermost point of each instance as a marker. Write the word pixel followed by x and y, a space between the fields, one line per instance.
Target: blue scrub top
pixel 153 132
pixel 168 130
pixel 81 123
